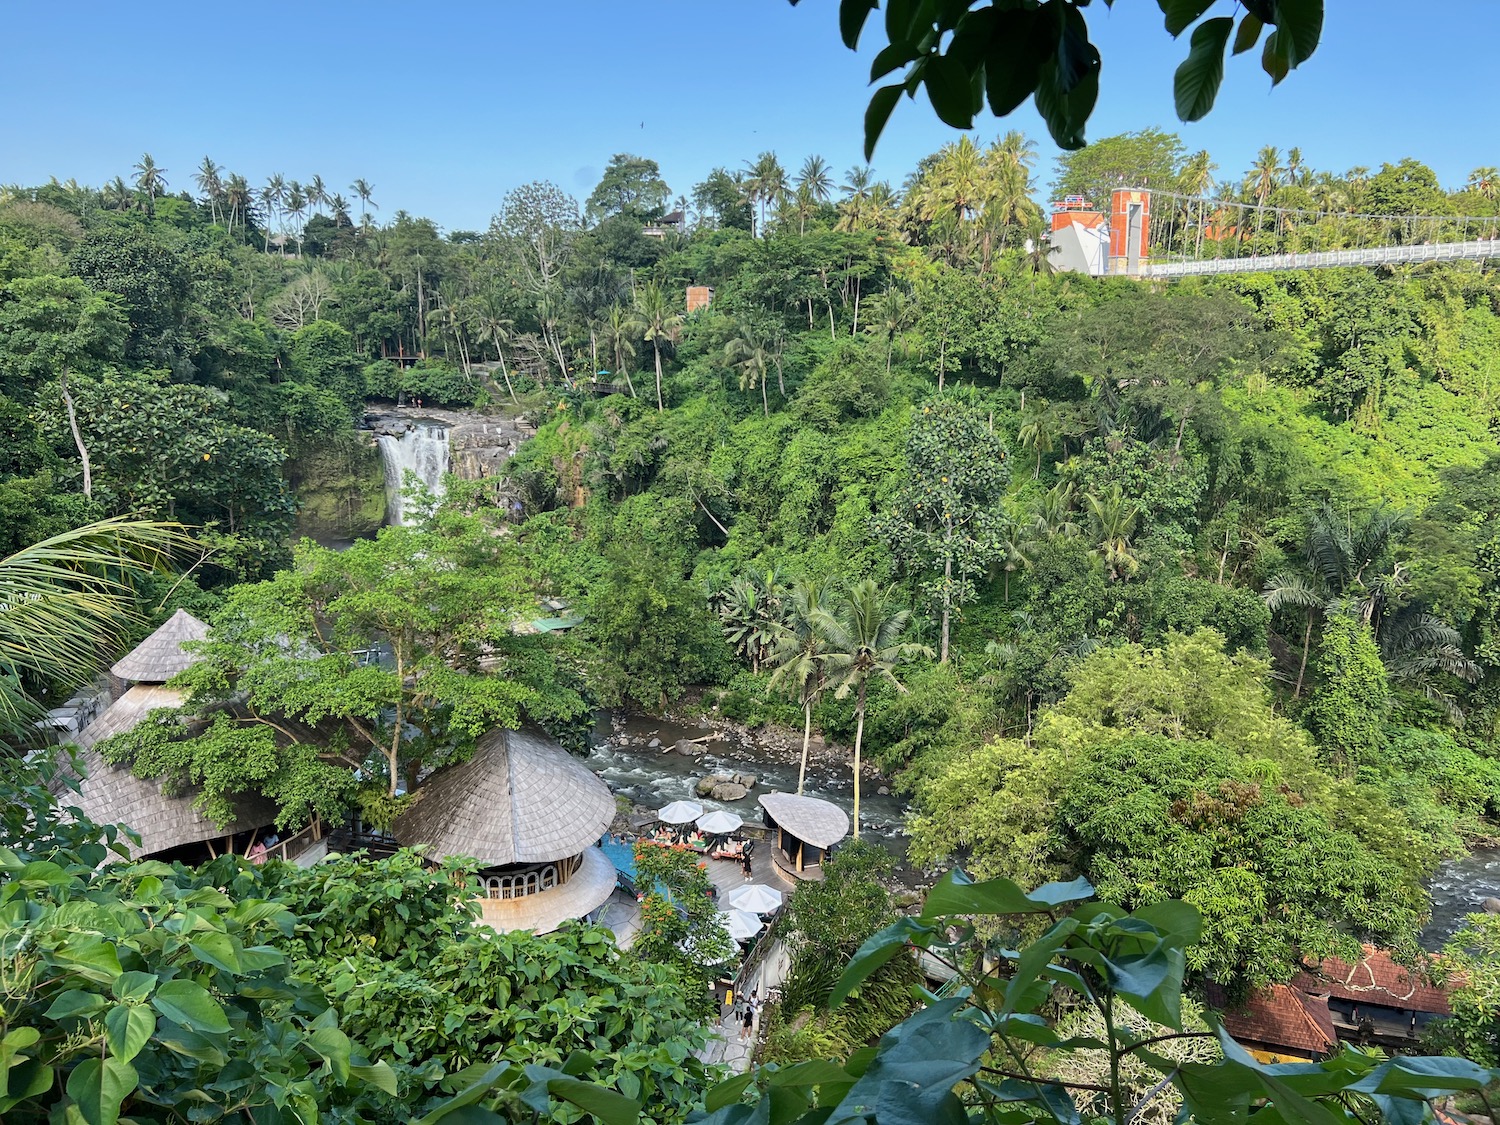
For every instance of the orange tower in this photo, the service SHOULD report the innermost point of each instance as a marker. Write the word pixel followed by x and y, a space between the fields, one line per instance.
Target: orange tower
pixel 1129 222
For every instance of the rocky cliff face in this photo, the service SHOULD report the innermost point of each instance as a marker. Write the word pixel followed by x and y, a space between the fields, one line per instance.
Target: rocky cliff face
pixel 482 445
pixel 340 490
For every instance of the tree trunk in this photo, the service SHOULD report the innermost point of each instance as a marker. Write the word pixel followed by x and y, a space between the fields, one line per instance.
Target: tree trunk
pixel 656 348
pixel 765 406
pixel 806 741
pixel 506 372
pixel 859 736
pixel 1302 668
pixel 83 453
pixel 780 377
pixel 947 601
pixel 942 357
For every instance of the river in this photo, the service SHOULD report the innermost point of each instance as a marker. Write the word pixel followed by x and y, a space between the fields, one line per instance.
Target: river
pixel 654 777
pixel 1459 888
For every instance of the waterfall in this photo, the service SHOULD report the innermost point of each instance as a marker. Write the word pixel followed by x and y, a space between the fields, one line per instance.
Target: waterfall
pixel 423 450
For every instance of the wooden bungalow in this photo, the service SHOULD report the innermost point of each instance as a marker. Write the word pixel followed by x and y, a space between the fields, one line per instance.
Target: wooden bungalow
pixel 160 656
pixel 803 831
pixel 1375 1000
pixel 170 826
pixel 532 815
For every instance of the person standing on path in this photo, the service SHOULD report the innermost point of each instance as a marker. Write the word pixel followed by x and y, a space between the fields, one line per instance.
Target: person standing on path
pixel 747 1019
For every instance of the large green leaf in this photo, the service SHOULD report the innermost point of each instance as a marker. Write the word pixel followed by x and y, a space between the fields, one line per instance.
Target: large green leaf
pixel 99 1087
pixel 380 1075
pixel 956 893
pixel 605 1105
pixel 875 952
pixel 1180 14
pixel 75 1004
pixel 852 16
pixel 189 1004
pixel 728 1093
pixel 128 1028
pixel 216 949
pixel 882 103
pixel 950 90
pixel 1300 23
pixel 1196 83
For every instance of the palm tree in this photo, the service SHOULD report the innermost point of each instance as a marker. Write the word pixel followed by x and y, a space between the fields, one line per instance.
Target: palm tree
pixel 495 327
pixel 864 639
pixel 238 199
pixel 296 207
pixel 119 194
pixel 751 613
pixel 658 324
pixel 150 179
pixel 854 206
pixel 1486 181
pixel 799 655
pixel 64 599
pixel 751 353
pixel 816 179
pixel 893 312
pixel 271 197
pixel 619 338
pixel 1112 520
pixel 364 189
pixel 1039 434
pixel 211 185
pixel 765 183
pixel 1344 572
pixel 317 194
pixel 1053 518
pixel 340 208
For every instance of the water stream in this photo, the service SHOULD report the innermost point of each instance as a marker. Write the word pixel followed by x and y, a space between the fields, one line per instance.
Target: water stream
pixel 656 776
pixel 1459 888
pixel 422 450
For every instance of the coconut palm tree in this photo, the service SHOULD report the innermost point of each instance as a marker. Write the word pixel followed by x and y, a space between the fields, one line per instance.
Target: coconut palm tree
pixel 816 178
pixel 865 638
pixel 494 326
pixel 317 194
pixel 296 207
pixel 208 179
pixel 856 189
pixel 798 656
pixel 658 324
pixel 750 351
pixel 1486 181
pixel 1038 433
pixel 1112 520
pixel 238 199
pixel 119 195
pixel 271 198
pixel 1053 518
pixel 619 338
pixel 150 179
pixel 765 183
pixel 364 190
pixel 63 600
pixel 891 313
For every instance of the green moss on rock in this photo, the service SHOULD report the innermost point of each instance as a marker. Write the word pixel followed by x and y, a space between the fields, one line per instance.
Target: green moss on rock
pixel 340 489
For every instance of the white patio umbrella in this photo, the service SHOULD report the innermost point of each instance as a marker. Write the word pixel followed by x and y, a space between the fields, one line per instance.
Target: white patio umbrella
pixel 680 812
pixel 756 898
pixel 720 823
pixel 741 924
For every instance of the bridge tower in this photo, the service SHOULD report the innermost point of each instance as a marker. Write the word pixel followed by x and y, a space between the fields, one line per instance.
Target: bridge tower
pixel 1129 224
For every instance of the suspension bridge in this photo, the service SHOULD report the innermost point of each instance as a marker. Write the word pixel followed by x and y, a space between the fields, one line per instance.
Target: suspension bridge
pixel 1152 234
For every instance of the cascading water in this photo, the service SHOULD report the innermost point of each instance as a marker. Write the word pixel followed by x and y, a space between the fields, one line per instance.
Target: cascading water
pixel 423 451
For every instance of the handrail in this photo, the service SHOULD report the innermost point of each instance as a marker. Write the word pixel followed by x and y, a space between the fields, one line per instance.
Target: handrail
pixel 282 849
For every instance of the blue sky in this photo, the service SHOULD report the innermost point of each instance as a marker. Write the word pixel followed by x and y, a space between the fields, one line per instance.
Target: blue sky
pixel 446 105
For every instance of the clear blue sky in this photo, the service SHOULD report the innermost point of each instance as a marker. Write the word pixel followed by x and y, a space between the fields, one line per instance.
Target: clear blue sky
pixel 446 105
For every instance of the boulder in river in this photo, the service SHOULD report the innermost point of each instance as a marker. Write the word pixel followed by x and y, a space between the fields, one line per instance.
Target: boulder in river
pixel 745 779
pixel 1491 905
pixel 654 743
pixel 688 748
pixel 728 791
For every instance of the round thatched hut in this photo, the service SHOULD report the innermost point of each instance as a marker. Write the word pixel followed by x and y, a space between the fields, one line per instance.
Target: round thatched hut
pixel 804 830
pixel 170 827
pixel 532 815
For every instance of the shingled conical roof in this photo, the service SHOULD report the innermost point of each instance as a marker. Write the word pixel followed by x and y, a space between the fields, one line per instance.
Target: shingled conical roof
pixel 160 657
pixel 111 794
pixel 521 798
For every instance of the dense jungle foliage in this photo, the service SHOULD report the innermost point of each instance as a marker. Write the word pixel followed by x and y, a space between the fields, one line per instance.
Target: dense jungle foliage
pixel 1186 589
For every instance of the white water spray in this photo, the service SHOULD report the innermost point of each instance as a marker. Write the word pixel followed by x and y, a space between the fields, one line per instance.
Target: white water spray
pixel 422 450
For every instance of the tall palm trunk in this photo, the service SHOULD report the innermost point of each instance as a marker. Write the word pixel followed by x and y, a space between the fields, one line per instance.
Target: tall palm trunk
pixel 859 737
pixel 806 742
pixel 506 372
pixel 656 349
pixel 1302 667
pixel 83 453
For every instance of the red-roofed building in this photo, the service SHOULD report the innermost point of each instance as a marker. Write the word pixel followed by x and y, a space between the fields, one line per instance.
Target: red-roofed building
pixel 1280 1023
pixel 1375 1000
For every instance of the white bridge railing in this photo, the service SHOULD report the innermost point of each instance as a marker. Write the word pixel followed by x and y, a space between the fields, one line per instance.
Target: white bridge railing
pixel 1371 256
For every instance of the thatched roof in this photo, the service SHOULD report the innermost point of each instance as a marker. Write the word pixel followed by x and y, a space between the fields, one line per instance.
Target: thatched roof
pixel 521 798
pixel 811 820
pixel 160 657
pixel 541 913
pixel 113 795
